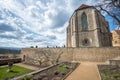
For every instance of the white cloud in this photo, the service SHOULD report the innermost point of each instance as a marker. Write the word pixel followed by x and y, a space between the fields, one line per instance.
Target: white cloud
pixel 37 22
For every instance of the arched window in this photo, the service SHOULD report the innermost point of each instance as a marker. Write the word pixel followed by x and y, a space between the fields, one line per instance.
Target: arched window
pixel 84 21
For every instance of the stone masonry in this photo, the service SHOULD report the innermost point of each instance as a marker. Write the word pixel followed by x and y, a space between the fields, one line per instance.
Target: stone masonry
pixel 88 28
pixel 73 54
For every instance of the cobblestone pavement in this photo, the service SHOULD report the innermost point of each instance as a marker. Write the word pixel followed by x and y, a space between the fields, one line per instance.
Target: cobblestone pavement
pixel 85 71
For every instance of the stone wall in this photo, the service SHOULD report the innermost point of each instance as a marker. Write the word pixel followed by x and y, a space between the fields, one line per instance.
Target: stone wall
pixel 74 54
pixel 96 54
pixel 114 62
pixel 116 38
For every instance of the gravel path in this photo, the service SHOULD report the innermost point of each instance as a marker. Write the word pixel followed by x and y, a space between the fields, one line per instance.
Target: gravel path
pixel 85 71
pixel 28 66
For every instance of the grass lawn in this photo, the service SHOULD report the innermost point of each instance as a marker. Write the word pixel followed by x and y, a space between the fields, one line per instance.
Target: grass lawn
pixel 17 70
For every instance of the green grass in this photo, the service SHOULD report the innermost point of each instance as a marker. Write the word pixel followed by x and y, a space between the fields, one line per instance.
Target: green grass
pixel 63 68
pixel 17 70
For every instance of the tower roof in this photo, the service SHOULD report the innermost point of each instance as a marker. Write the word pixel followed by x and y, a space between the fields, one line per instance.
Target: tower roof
pixel 83 6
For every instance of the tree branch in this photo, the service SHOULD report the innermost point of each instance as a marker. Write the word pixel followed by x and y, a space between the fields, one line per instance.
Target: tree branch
pixel 112 15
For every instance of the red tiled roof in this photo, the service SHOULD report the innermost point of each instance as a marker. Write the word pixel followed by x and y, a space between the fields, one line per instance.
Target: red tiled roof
pixel 83 6
pixel 117 31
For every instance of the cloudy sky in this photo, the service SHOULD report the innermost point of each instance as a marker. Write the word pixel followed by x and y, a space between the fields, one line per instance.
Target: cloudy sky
pixel 25 23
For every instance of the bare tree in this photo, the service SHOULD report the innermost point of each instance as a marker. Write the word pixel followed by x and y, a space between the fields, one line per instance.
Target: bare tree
pixel 48 55
pixel 112 8
pixel 40 57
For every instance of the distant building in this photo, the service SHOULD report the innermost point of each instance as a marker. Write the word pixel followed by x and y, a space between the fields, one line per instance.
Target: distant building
pixel 116 38
pixel 88 28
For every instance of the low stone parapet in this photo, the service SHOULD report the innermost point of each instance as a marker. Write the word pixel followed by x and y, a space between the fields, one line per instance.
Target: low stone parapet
pixel 114 62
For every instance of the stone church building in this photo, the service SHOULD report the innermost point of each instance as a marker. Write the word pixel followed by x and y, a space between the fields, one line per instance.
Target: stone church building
pixel 88 28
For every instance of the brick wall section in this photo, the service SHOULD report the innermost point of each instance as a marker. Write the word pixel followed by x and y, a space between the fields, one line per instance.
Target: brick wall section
pixel 76 54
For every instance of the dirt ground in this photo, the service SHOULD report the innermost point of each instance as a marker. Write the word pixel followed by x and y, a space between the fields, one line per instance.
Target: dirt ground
pixel 28 66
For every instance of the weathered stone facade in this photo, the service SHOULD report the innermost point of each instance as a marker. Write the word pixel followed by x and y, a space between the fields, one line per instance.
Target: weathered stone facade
pixel 88 28
pixel 116 38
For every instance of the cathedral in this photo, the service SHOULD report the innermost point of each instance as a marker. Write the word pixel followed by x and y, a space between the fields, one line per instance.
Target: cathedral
pixel 88 28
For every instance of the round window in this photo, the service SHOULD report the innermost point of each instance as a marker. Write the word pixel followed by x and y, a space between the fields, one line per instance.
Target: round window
pixel 86 42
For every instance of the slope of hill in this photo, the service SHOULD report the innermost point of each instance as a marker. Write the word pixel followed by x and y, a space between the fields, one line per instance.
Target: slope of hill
pixel 9 51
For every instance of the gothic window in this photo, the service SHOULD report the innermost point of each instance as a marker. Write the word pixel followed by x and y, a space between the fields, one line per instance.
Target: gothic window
pixel 84 21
